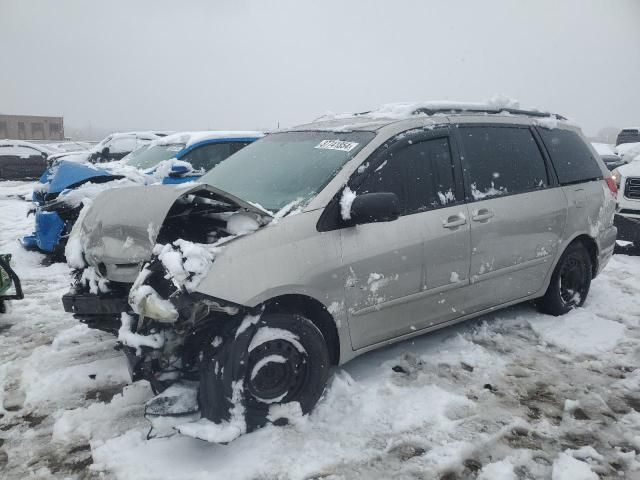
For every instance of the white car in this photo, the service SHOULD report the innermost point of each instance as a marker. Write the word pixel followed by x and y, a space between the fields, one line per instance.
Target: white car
pixel 627 218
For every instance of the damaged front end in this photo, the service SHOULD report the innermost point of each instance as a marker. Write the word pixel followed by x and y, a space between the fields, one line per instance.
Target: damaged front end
pixel 170 324
pixel 170 334
pixel 112 241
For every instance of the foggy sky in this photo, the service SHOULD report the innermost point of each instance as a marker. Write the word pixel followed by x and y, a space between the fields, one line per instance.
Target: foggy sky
pixel 236 64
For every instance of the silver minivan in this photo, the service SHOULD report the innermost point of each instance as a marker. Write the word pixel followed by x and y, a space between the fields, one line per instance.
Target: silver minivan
pixel 321 242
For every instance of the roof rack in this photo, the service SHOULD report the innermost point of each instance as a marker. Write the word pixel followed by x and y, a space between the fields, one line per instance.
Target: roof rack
pixel 512 111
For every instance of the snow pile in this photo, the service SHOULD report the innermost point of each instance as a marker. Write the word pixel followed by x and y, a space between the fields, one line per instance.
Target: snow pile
pixel 186 262
pixel 74 249
pixel 223 432
pixel 604 148
pixel 629 152
pixel 127 337
pixel 88 191
pixel 405 110
pixel 268 334
pixel 580 332
pixel 163 169
pixel 191 138
pixel 565 467
pixel 96 282
pixel 348 196
pixel 242 223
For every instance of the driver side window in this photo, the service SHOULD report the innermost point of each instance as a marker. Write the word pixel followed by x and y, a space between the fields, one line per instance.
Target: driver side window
pixel 420 173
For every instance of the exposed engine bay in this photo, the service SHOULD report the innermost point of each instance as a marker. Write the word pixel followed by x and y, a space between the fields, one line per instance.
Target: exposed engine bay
pixel 167 322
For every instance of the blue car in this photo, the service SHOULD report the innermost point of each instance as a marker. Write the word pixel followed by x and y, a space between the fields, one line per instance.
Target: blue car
pixel 66 186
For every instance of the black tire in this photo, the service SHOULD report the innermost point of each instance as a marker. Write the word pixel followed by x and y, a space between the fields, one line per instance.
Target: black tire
pixel 299 374
pixel 570 282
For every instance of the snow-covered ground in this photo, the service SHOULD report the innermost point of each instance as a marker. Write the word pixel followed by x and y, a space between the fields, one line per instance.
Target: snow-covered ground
pixel 513 395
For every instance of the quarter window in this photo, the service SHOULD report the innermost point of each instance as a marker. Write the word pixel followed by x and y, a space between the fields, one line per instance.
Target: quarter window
pixel 420 174
pixel 570 155
pixel 501 161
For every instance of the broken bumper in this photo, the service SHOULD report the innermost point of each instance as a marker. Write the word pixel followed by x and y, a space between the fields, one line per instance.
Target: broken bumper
pixel 49 230
pixel 97 311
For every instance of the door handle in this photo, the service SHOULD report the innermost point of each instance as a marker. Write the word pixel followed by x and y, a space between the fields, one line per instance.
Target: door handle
pixel 482 215
pixel 454 221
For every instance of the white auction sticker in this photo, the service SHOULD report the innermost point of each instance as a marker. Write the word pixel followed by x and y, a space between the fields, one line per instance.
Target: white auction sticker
pixel 337 145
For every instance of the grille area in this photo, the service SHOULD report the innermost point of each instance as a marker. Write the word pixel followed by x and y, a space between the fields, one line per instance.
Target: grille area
pixel 632 188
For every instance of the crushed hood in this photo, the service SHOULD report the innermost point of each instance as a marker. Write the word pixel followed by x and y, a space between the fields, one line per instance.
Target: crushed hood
pixel 69 174
pixel 121 225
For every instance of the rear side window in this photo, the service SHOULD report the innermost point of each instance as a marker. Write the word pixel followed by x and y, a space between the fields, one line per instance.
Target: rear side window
pixel 501 161
pixel 420 174
pixel 571 157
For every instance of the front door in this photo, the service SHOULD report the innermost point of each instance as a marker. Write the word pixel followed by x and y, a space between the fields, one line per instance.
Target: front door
pixel 396 270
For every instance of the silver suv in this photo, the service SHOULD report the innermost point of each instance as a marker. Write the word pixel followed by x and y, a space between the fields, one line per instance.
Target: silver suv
pixel 319 243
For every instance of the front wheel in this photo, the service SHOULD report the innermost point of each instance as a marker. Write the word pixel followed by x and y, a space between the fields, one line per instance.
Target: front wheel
pixel 281 359
pixel 570 282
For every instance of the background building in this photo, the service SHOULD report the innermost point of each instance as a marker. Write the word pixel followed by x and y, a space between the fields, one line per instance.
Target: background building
pixel 31 127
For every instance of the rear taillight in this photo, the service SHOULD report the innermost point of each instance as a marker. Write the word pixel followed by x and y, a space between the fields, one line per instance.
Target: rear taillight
pixel 613 188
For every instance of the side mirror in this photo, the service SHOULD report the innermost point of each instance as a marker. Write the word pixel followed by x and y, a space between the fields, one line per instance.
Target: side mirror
pixel 375 207
pixel 178 170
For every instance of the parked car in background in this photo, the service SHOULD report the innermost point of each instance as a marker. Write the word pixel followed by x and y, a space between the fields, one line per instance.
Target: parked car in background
pixel 627 218
pixel 629 152
pixel 23 160
pixel 176 158
pixel 608 155
pixel 318 243
pixel 114 147
pixel 628 135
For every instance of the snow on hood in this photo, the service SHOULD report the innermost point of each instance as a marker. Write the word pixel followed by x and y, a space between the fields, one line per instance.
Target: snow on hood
pixel 630 169
pixel 65 174
pixel 604 148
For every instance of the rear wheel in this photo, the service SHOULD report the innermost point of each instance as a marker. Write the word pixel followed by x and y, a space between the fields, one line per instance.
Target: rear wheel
pixel 570 282
pixel 281 359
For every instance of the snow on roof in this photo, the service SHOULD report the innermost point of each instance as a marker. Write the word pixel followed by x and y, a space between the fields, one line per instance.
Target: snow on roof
pixel 191 138
pixel 603 148
pixel 390 112
pixel 20 143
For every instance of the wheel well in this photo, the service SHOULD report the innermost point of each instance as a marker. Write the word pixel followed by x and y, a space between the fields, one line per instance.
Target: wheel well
pixel 591 246
pixel 314 311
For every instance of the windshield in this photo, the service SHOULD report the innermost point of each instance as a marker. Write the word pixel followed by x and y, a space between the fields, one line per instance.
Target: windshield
pixel 282 168
pixel 150 156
